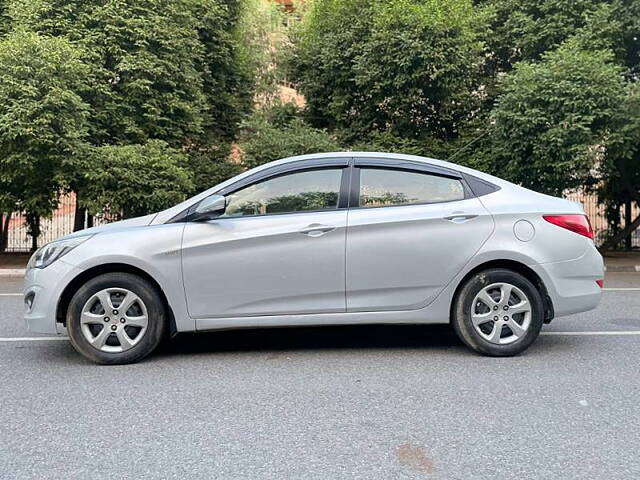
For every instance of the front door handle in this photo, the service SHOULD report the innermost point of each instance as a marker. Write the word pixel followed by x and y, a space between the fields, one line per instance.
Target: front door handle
pixel 460 217
pixel 316 229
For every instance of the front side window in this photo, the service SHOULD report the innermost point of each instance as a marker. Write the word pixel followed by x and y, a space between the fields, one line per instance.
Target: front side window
pixel 296 192
pixel 385 187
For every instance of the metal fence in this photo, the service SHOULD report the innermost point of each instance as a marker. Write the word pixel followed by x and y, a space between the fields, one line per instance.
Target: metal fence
pixel 597 216
pixel 62 220
pixel 59 224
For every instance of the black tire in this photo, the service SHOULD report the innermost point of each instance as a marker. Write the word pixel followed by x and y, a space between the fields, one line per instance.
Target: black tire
pixel 462 308
pixel 156 326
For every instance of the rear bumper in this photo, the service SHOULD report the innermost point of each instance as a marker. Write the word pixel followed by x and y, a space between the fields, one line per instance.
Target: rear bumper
pixel 572 284
pixel 46 286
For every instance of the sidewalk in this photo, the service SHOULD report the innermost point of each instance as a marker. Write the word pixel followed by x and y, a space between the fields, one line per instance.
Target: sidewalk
pixel 622 261
pixel 12 264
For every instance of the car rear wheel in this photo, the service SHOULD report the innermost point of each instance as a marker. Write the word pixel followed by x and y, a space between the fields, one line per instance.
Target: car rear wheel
pixel 116 318
pixel 498 312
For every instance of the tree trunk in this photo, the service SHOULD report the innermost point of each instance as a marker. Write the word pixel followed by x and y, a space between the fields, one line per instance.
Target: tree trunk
pixel 33 222
pixel 89 221
pixel 79 216
pixel 622 234
pixel 3 244
pixel 4 232
pixel 627 221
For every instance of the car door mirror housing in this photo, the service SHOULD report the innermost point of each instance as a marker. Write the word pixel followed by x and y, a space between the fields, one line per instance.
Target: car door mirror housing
pixel 211 207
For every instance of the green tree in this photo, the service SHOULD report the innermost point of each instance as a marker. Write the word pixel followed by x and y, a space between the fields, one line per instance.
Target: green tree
pixel 132 180
pixel 264 142
pixel 5 20
pixel 159 68
pixel 229 77
pixel 517 30
pixel 555 119
pixel 620 180
pixel 417 67
pixel 328 42
pixel 43 121
pixel 211 165
pixel 628 15
pixel 404 66
pixel 263 39
pixel 167 70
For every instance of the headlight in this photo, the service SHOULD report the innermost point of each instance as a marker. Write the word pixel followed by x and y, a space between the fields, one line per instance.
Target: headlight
pixel 49 253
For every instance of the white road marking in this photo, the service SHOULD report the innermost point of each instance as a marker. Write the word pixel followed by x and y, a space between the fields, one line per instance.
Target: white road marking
pixel 10 294
pixel 32 339
pixel 594 333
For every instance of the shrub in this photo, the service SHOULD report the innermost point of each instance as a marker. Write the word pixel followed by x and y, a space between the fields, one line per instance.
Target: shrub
pixel 264 142
pixel 554 118
pixel 132 180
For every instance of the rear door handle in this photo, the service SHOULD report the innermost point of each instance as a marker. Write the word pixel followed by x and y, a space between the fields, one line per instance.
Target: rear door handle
pixel 316 230
pixel 460 217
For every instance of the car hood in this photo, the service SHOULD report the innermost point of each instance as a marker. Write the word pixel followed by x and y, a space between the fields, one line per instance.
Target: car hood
pixel 115 226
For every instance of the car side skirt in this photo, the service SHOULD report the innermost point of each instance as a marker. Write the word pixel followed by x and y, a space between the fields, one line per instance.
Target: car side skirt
pixel 319 319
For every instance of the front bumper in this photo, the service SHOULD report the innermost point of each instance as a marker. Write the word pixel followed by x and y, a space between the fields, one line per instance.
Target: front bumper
pixel 572 284
pixel 46 286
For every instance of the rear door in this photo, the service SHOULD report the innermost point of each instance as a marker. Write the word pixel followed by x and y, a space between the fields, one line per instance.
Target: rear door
pixel 411 228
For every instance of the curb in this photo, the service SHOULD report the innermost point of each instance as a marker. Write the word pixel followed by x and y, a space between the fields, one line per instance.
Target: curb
pixel 12 272
pixel 625 268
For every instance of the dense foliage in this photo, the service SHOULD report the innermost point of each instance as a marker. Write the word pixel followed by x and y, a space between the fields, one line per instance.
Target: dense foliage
pixel 43 120
pixel 186 93
pixel 159 68
pixel 540 92
pixel 525 29
pixel 266 141
pixel 402 66
pixel 554 119
pixel 132 180
pixel 82 75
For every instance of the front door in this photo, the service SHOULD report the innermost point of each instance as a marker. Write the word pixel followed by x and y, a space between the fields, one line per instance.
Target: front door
pixel 409 233
pixel 278 249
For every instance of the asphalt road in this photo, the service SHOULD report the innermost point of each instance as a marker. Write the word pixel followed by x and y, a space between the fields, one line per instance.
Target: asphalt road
pixel 352 402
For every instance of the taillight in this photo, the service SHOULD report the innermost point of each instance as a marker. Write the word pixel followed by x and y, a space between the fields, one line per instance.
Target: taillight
pixel 576 223
pixel 600 283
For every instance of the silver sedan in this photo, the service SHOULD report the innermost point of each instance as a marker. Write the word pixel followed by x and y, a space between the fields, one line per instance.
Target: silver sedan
pixel 327 239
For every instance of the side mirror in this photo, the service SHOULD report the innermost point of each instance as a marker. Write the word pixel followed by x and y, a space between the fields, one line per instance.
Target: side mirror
pixel 210 207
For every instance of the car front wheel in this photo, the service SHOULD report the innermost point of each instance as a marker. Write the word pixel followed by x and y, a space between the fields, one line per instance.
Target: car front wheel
pixel 116 318
pixel 498 312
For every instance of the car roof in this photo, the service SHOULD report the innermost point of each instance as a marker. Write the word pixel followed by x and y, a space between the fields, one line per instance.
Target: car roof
pixel 393 156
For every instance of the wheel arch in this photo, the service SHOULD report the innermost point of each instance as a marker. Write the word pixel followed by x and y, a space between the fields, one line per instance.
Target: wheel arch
pixel 515 266
pixel 83 277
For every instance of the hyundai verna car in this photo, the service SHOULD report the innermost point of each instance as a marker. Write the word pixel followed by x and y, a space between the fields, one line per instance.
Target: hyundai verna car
pixel 327 239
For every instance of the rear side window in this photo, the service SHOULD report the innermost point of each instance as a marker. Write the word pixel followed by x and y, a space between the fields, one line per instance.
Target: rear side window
pixel 385 187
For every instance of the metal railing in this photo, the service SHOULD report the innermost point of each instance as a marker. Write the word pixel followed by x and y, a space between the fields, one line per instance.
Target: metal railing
pixel 596 212
pixel 59 224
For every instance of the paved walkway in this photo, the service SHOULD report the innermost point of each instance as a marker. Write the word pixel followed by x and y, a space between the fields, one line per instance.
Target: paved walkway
pixel 12 264
pixel 623 261
pixel 13 260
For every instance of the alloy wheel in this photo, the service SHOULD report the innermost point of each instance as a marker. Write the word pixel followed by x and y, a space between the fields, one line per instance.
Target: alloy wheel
pixel 114 320
pixel 501 313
